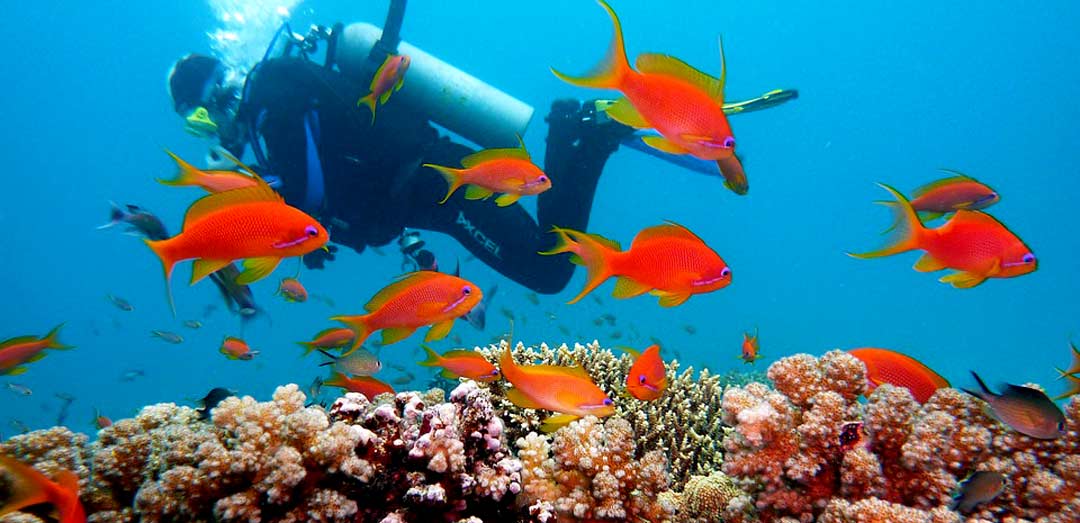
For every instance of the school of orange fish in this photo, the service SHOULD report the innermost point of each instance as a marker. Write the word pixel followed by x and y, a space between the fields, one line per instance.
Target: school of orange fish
pixel 242 218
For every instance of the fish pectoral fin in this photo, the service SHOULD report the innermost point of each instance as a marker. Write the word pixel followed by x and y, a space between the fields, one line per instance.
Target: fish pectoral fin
pixel 17 370
pixel 36 357
pixel 385 97
pixel 203 268
pixel 448 375
pixel 628 288
pixel 396 334
pixel 475 192
pixel 624 112
pixel 557 421
pixel 963 279
pixel 663 144
pixel 439 330
pixel 928 263
pixel 671 299
pixel 521 400
pixel 256 269
pixel 507 199
pixel 926 216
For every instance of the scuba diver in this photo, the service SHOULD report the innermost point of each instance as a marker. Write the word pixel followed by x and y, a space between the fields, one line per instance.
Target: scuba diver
pixel 362 177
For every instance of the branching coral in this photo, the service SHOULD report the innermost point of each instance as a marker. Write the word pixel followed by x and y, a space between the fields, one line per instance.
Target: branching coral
pixel 588 472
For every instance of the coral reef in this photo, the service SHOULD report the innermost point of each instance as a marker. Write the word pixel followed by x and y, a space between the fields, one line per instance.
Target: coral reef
pixel 684 423
pixel 793 450
pixel 587 471
pixel 406 459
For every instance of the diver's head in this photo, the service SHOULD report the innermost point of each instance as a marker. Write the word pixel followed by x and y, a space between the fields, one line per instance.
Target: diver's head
pixel 199 93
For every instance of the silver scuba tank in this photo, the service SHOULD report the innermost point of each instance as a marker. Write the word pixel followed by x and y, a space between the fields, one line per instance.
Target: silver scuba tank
pixel 451 97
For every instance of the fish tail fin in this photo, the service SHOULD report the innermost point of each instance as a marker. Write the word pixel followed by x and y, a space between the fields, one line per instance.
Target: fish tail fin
pixel 369 102
pixel 905 234
pixel 433 357
pixel 336 379
pixel 985 391
pixel 116 215
pixel 186 174
pixel 592 251
pixel 53 342
pixel 25 489
pixel 161 250
pixel 308 346
pixel 359 325
pixel 609 73
pixel 455 178
pixel 556 422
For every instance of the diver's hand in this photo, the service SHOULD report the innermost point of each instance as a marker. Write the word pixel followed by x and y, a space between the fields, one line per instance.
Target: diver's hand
pixel 317 259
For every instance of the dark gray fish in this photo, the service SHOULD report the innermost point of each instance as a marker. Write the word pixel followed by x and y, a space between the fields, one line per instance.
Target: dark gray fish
pixel 120 303
pixel 1026 410
pixel 980 487
pixel 193 324
pixel 132 375
pixel 138 221
pixel 533 298
pixel 211 400
pixel 359 363
pixel 477 317
pixel 238 298
pixel 65 407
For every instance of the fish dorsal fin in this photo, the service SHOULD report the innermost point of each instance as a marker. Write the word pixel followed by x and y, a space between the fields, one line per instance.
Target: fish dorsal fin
pixel 211 203
pixel 662 64
pixel 464 353
pixel 611 244
pixel 1026 393
pixel 576 371
pixel 937 184
pixel 966 216
pixel 665 231
pixel 17 341
pixel 403 282
pixel 487 155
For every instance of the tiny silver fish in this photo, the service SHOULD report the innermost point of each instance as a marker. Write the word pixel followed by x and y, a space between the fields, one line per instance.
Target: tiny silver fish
pixel 22 390
pixel 170 337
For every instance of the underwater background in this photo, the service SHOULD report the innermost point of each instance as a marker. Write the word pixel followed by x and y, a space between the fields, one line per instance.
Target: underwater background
pixel 888 93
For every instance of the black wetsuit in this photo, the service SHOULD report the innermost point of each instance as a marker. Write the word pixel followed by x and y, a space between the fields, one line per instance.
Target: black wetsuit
pixel 375 187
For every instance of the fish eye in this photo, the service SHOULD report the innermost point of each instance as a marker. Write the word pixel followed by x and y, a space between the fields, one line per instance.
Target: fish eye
pixel 466 290
pixel 1029 258
pixel 495 372
pixel 725 272
pixel 608 402
pixel 542 179
pixel 310 230
pixel 641 379
pixel 729 142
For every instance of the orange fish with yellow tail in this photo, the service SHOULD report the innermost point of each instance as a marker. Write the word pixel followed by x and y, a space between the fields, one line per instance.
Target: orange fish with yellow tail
pixel 253 223
pixel 972 243
pixel 462 363
pixel 682 103
pixel 567 390
pixel 212 181
pixel 332 338
pixel 366 385
pixel 665 260
pixel 887 366
pixel 388 78
pixel 27 349
pixel 508 171
pixel 750 348
pixel 416 299
pixel 647 378
pixel 27 487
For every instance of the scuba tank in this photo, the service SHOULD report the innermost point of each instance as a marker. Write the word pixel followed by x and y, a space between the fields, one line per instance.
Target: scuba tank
pixel 449 96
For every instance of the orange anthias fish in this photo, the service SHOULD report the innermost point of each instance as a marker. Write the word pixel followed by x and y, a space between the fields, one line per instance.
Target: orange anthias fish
pixel 567 390
pixel 1024 409
pixel 292 290
pixel 416 299
pixel 462 364
pixel 750 347
pixel 507 171
pixel 28 487
pixel 388 78
pixel 366 385
pixel 332 338
pixel 647 378
pixel 886 366
pixel 27 349
pixel 973 243
pixel 211 181
pixel 665 260
pixel 951 194
pixel 683 104
pixel 253 223
pixel 237 349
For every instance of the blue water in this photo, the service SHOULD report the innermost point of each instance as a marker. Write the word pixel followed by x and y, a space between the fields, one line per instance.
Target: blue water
pixel 886 94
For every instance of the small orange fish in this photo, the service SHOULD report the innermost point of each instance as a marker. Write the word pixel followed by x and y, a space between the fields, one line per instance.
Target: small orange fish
pixel 366 385
pixel 886 366
pixel 252 223
pixel 292 290
pixel 26 487
pixel 750 347
pixel 647 379
pixel 1024 409
pixel 682 103
pixel 211 181
pixel 388 78
pixel 100 420
pixel 952 194
pixel 665 260
pixel 332 338
pixel 462 364
pixel 973 243
pixel 414 300
pixel 16 351
pixel 237 349
pixel 567 390
pixel 507 171
pixel 1074 368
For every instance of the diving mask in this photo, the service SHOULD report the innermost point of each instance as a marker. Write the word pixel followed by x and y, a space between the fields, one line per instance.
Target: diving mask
pixel 199 123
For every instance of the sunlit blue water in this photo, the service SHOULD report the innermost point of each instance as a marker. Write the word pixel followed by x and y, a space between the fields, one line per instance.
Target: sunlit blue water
pixel 886 94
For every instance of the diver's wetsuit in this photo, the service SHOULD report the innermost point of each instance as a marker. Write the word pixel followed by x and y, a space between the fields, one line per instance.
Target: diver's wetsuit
pixel 375 186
